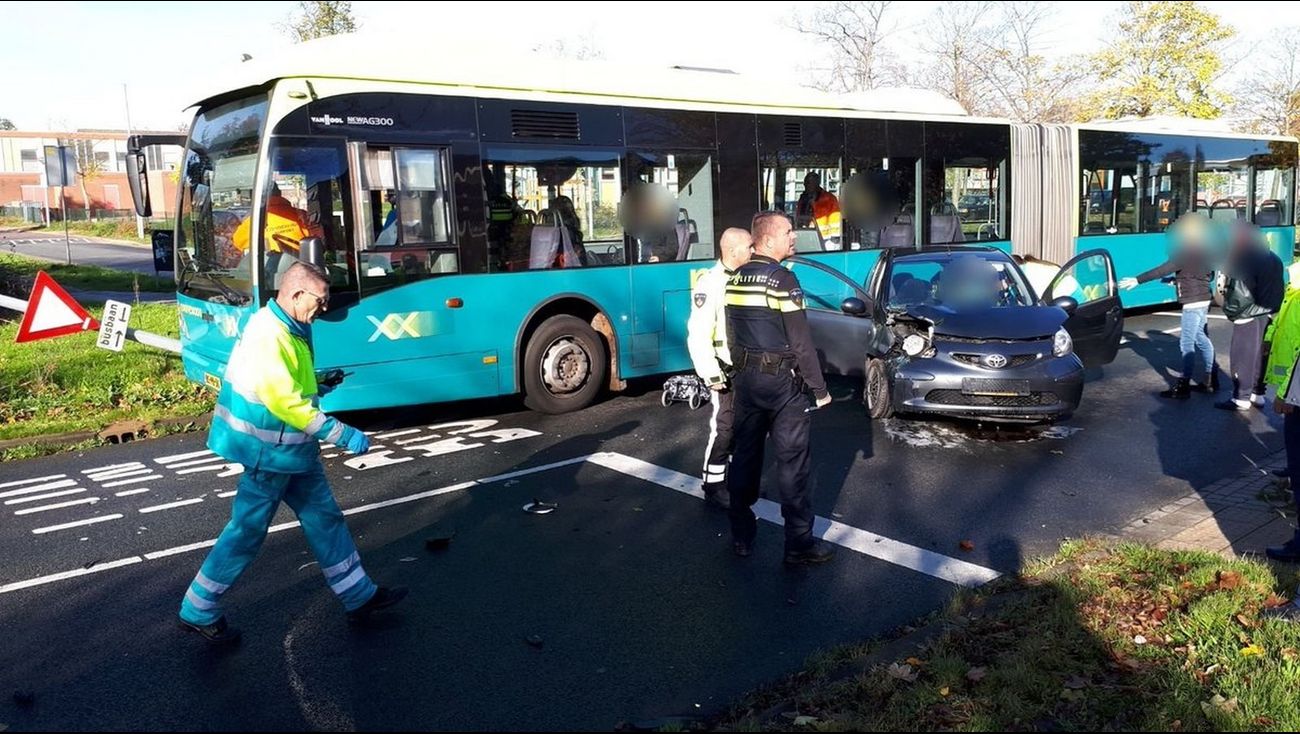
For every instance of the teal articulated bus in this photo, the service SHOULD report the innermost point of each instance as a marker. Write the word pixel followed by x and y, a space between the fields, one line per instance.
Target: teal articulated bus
pixel 487 226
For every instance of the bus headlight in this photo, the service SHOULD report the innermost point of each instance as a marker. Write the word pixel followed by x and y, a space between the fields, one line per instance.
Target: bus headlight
pixel 1062 344
pixel 914 345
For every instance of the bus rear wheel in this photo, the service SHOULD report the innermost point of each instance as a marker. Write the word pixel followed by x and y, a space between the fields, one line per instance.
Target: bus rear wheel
pixel 564 366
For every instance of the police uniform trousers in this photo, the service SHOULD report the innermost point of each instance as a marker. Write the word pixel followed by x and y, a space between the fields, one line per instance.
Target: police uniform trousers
pixel 773 404
pixel 717 452
pixel 258 497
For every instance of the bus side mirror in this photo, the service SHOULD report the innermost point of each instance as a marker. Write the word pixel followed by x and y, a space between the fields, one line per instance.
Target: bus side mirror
pixel 312 250
pixel 138 178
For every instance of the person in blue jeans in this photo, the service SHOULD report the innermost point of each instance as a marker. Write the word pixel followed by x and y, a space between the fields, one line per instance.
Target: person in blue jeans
pixel 1193 272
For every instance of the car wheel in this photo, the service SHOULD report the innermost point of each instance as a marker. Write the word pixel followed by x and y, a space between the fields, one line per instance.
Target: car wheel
pixel 876 390
pixel 564 366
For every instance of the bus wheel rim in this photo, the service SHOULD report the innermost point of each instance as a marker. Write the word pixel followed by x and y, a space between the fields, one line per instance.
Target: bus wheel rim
pixel 565 366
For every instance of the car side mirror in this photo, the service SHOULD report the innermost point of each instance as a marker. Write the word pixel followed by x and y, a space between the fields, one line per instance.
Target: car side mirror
pixel 1066 304
pixel 854 306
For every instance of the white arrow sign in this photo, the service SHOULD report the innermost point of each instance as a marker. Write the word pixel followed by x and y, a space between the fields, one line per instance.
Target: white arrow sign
pixel 112 327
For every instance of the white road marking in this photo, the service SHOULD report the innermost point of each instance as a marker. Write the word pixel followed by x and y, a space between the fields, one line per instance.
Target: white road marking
pixel 1178 315
pixel 15 586
pixel 170 505
pixel 31 481
pixel 182 457
pixel 231 493
pixel 214 459
pixel 135 480
pixel 75 524
pixel 41 497
pixel 867 543
pixel 129 492
pixel 43 508
pixel 40 488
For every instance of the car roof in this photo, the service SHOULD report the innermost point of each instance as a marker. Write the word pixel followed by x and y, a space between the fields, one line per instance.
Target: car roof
pixel 928 252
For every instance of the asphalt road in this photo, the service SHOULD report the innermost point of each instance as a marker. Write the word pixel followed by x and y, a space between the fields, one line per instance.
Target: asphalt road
pixel 624 604
pixel 85 250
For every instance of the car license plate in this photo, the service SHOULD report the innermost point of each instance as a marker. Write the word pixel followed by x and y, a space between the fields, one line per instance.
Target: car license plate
pixel 999 388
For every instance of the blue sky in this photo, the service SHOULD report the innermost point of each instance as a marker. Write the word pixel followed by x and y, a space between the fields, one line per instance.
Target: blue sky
pixel 161 50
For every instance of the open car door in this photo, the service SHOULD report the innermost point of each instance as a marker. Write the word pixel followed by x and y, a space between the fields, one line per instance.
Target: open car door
pixel 1098 323
pixel 842 339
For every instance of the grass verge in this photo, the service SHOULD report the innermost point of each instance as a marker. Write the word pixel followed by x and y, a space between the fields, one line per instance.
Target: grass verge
pixel 1098 638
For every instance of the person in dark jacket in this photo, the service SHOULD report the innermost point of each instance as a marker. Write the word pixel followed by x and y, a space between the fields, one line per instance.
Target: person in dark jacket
pixel 1191 267
pixel 1252 294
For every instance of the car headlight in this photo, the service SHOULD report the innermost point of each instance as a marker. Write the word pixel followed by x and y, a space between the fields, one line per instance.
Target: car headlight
pixel 1062 344
pixel 914 345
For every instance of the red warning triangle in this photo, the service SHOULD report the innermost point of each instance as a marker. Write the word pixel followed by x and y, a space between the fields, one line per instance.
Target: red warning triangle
pixel 52 312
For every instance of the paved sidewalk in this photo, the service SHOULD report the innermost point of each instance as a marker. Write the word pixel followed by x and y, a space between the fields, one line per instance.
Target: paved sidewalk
pixel 1238 515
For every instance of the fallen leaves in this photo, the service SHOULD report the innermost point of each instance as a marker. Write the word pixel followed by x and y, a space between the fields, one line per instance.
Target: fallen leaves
pixel 1226 580
pixel 902 672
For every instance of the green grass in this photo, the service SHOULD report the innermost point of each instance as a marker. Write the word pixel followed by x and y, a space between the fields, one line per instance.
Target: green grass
pixel 116 229
pixel 68 384
pixel 15 269
pixel 1096 638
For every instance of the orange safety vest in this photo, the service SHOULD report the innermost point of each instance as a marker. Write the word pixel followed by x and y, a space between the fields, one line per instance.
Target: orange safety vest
pixel 285 226
pixel 826 214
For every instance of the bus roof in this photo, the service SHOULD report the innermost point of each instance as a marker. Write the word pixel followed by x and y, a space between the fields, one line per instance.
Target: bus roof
pixel 355 56
pixel 1173 125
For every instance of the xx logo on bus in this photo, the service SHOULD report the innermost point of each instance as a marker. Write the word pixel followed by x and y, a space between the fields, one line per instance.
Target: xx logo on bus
pixel 396 326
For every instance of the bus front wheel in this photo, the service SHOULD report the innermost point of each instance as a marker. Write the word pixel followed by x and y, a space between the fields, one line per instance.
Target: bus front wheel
pixel 564 366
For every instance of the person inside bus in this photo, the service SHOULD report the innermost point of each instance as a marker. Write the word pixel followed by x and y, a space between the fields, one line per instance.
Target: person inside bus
pixel 820 209
pixel 286 225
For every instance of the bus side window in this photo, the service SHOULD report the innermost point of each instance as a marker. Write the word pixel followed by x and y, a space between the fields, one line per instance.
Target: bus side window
pixel 407 232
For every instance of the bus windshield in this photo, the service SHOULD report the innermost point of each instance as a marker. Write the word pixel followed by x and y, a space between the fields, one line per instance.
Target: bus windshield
pixel 216 198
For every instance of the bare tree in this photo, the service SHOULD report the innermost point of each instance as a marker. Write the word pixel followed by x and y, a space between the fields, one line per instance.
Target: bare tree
pixel 855 35
pixel 5 124
pixel 582 49
pixel 959 42
pixel 1269 100
pixel 319 18
pixel 1023 83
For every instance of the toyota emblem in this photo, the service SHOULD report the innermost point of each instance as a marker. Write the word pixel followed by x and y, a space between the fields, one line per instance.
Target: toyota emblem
pixel 996 361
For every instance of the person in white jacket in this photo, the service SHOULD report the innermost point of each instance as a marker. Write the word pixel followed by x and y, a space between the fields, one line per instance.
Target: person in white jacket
pixel 706 339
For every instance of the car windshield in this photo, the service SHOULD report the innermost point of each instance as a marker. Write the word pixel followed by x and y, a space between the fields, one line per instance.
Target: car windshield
pixel 956 282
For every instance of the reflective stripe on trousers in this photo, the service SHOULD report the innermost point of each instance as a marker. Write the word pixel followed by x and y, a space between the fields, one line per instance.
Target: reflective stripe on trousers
pixel 256 502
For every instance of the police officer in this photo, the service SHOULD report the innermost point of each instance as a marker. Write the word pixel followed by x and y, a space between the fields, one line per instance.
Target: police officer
pixel 706 339
pixel 772 351
pixel 266 419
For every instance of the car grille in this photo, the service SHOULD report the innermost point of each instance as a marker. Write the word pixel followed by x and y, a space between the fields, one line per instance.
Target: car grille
pixel 1014 360
pixel 957 397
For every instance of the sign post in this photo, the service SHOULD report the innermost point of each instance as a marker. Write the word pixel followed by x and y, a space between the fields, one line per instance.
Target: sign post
pixel 60 167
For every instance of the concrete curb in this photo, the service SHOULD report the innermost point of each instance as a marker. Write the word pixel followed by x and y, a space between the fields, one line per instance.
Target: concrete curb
pixel 1238 515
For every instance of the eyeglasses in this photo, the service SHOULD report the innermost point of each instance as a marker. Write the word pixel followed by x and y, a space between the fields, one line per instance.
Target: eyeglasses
pixel 321 301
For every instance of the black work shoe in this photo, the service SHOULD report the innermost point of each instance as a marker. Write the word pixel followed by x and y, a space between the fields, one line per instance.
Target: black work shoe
pixel 1181 390
pixel 217 633
pixel 741 548
pixel 818 552
pixel 384 597
pixel 718 498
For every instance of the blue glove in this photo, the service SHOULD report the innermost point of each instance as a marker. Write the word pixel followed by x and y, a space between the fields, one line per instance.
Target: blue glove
pixel 354 441
pixel 323 390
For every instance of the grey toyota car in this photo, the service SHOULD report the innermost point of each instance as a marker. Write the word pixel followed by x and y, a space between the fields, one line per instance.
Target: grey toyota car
pixel 959 331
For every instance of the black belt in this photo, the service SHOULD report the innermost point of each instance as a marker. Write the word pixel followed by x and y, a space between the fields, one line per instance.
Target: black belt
pixel 769 362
